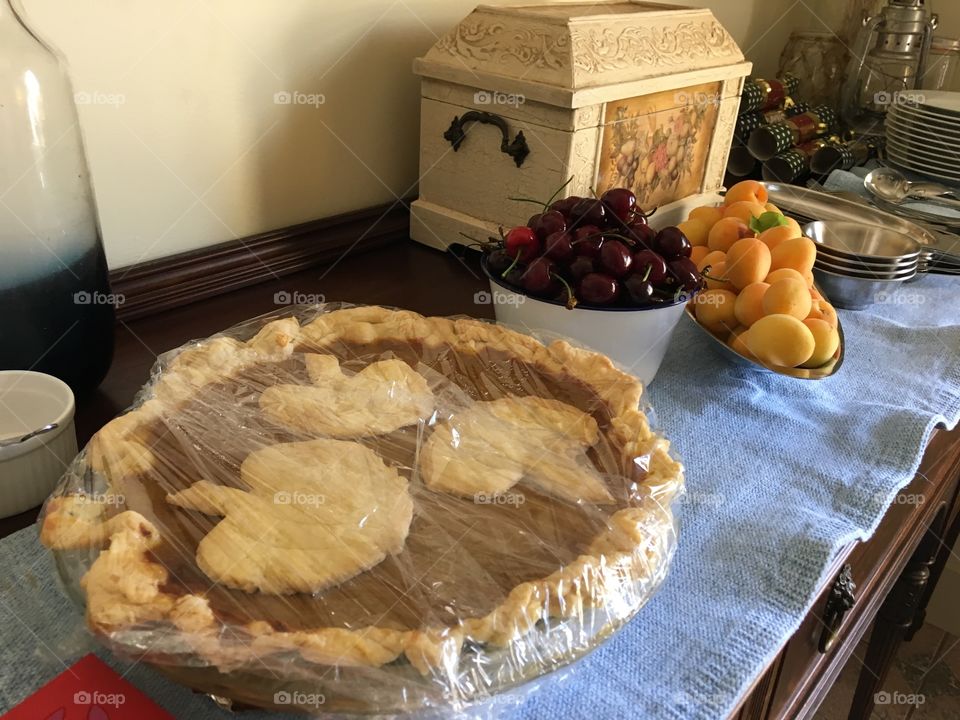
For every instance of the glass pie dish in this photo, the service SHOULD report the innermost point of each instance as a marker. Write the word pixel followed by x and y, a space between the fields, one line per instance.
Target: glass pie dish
pixel 364 510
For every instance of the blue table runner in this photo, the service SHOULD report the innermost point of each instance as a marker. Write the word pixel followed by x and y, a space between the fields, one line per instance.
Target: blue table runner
pixel 781 474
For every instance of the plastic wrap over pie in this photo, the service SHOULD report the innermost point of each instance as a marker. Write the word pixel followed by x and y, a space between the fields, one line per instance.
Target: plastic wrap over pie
pixel 365 506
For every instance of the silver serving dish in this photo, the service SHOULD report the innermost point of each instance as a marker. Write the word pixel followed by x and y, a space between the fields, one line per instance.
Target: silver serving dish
pixel 809 205
pixel 819 373
pixel 862 242
pixel 855 293
pixel 865 264
pixel 866 273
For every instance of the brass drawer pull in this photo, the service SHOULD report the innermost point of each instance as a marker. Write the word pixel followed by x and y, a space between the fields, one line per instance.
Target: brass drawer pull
pixel 840 601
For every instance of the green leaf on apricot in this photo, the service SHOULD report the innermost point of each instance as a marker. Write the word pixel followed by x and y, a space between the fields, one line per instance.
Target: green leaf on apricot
pixel 766 221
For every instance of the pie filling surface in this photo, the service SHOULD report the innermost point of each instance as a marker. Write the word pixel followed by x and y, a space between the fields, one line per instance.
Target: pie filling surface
pixel 464 551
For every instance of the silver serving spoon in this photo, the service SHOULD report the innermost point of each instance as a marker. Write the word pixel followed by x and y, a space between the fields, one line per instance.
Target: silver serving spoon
pixel 41 431
pixel 888 184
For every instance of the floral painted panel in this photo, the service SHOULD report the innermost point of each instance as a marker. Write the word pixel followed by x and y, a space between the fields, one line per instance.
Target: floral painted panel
pixel 657 145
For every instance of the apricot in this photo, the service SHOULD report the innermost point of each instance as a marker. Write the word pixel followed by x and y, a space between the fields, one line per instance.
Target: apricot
pixel 745 210
pixel 748 261
pixel 698 253
pixel 711 258
pixel 726 232
pixel 822 310
pixel 746 190
pixel 696 232
pixel 707 214
pixel 798 253
pixel 783 273
pixel 826 340
pixel 787 297
pixel 772 237
pixel 781 340
pixel 714 310
pixel 749 305
pixel 737 341
pixel 717 277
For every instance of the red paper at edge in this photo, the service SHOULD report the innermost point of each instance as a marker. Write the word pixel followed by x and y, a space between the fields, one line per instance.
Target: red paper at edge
pixel 88 690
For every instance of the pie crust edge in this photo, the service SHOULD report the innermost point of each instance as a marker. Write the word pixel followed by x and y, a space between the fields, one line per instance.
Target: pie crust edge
pixel 123 584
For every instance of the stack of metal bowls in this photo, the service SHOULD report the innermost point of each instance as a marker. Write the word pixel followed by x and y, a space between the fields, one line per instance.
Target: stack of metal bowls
pixel 858 265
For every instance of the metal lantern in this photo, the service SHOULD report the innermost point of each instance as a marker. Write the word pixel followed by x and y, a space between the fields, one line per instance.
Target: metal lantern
pixel 889 56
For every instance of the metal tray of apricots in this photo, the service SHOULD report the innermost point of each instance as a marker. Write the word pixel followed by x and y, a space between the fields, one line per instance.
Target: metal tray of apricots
pixel 818 373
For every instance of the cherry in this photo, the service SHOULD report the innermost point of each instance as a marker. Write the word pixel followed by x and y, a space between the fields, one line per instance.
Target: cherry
pixel 672 243
pixel 639 290
pixel 644 234
pixel 559 246
pixel 615 258
pixel 685 273
pixel 581 265
pixel 598 289
pixel 498 261
pixel 522 240
pixel 644 259
pixel 534 221
pixel 619 202
pixel 537 278
pixel 587 240
pixel 551 222
pixel 590 210
pixel 564 206
pixel 514 276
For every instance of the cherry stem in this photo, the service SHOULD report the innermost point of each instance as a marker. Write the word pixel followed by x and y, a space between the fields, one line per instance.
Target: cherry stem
pixel 513 264
pixel 706 273
pixel 529 200
pixel 556 192
pixel 571 298
pixel 479 243
pixel 647 273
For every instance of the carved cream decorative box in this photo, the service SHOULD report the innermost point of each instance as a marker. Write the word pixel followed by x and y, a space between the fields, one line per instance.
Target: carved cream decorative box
pixel 516 100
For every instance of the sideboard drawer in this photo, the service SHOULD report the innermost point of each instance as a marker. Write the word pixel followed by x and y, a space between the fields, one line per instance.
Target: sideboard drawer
pixel 808 665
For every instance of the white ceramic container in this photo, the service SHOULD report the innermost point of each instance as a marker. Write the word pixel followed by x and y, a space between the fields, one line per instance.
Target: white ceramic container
pixel 635 339
pixel 30 470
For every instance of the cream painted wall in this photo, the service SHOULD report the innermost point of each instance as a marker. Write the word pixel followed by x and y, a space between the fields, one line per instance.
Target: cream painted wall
pixel 186 145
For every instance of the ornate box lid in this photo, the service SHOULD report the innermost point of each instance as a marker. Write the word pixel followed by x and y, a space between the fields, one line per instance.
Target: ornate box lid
pixel 573 54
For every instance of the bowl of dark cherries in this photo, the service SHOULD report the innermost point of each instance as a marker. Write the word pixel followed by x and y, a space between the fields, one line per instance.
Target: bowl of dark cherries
pixel 594 270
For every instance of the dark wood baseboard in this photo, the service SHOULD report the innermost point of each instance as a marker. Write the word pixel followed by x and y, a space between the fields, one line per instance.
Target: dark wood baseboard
pixel 187 277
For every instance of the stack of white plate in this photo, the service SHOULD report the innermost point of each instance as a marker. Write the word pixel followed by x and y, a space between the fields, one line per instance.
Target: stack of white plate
pixel 923 133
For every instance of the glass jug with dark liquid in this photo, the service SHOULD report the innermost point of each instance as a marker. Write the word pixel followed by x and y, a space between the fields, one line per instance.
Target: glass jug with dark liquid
pixel 56 310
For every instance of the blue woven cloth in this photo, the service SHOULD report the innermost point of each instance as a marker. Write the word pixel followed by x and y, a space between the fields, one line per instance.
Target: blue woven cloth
pixel 781 474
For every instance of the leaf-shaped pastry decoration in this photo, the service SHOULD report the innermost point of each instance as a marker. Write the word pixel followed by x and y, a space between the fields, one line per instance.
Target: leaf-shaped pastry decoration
pixel 383 397
pixel 314 514
pixel 490 446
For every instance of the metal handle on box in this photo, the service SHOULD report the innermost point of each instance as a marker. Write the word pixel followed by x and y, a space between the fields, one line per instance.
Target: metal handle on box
pixel 456 134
